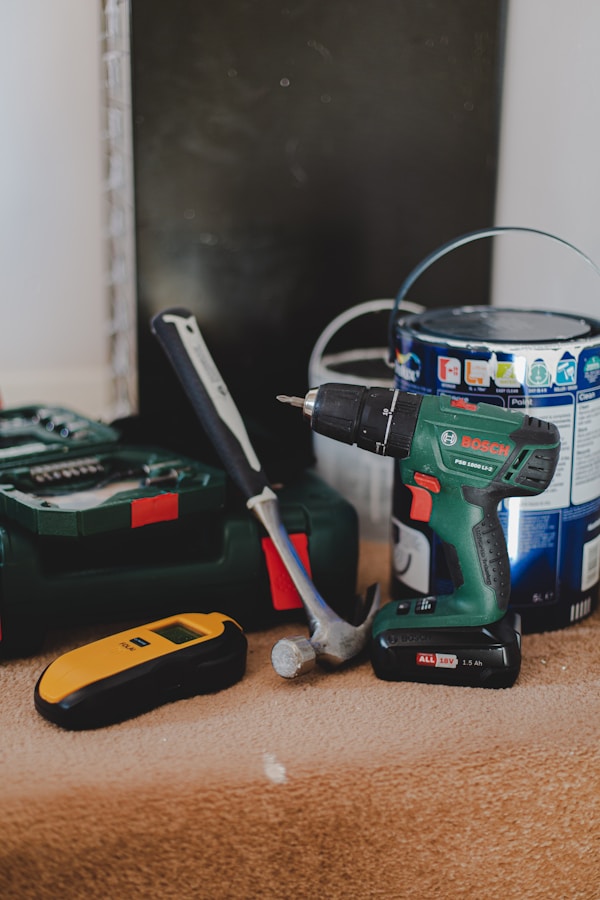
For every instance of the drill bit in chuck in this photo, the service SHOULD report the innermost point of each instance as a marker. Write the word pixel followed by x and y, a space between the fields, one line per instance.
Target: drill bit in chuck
pixel 306 404
pixel 293 401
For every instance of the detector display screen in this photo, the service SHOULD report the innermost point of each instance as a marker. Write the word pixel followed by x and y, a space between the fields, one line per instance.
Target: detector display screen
pixel 177 633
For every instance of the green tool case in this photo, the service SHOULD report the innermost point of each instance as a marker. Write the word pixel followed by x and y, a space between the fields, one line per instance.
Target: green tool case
pixel 93 530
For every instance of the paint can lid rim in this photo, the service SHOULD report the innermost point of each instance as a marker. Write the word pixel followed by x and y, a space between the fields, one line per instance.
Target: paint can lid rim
pixel 497 324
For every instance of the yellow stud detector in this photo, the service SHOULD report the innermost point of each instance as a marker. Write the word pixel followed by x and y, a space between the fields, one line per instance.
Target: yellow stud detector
pixel 129 673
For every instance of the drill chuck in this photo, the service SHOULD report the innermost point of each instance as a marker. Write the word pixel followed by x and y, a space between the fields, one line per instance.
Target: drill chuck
pixel 380 420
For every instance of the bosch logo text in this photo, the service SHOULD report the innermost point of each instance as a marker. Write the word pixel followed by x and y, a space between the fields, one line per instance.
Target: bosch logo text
pixel 493 447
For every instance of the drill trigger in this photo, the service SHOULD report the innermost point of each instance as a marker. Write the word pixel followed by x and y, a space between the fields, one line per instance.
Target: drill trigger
pixel 422 502
pixel 421 505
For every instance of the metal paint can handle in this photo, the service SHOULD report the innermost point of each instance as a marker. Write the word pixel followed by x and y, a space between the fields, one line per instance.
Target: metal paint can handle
pixel 321 366
pixel 459 242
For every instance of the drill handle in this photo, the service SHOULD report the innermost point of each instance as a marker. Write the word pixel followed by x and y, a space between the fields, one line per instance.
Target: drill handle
pixel 475 549
pixel 490 544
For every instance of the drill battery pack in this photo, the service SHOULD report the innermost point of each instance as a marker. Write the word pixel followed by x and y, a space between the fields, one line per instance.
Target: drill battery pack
pixel 478 656
pixel 93 530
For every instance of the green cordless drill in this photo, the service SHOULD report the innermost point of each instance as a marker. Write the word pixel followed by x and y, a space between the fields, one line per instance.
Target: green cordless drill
pixel 459 460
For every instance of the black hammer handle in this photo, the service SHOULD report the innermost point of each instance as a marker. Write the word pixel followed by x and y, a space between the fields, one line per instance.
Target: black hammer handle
pixel 179 335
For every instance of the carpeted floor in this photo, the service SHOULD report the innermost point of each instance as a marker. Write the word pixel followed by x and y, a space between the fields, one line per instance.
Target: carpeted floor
pixel 335 785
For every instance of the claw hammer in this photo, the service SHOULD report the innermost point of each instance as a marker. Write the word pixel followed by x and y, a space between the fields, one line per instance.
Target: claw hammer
pixel 332 641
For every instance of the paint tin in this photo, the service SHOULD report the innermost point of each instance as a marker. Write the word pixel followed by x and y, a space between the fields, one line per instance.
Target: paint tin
pixel 548 365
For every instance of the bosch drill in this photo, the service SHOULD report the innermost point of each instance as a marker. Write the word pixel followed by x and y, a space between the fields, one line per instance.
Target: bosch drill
pixel 459 460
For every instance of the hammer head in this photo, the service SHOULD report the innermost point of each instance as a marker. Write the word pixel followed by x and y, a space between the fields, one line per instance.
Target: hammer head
pixel 332 643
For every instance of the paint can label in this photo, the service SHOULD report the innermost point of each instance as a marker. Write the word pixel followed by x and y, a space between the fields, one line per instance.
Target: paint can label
pixel 553 538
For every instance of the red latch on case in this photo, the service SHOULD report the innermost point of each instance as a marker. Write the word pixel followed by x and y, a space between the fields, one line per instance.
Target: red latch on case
pixel 283 591
pixel 148 510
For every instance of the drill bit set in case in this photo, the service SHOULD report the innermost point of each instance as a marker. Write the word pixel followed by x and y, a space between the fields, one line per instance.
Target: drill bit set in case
pixel 94 530
pixel 66 476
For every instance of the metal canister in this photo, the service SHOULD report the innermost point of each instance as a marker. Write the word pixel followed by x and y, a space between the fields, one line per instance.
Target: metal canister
pixel 544 363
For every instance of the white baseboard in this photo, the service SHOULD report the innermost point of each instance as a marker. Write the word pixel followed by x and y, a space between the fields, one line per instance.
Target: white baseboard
pixel 84 389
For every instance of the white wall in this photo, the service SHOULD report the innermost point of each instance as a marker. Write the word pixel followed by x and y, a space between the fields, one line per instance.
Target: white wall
pixel 54 316
pixel 550 156
pixel 53 309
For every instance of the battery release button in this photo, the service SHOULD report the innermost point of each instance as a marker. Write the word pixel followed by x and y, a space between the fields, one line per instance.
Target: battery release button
pixel 425 605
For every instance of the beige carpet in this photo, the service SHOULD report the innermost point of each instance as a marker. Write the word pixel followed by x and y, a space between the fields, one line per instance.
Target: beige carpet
pixel 333 786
